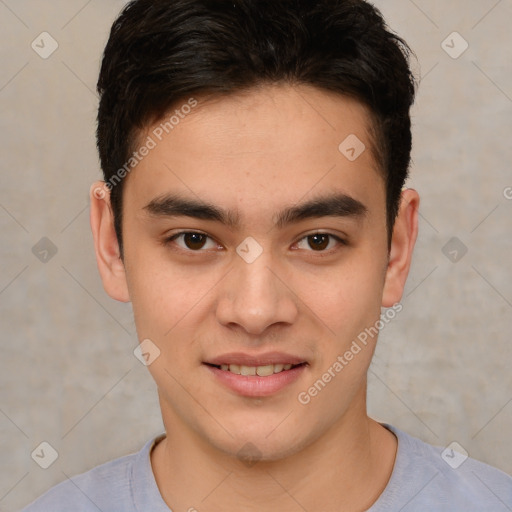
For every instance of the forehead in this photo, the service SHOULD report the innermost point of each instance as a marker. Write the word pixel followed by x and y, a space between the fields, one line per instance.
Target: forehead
pixel 280 143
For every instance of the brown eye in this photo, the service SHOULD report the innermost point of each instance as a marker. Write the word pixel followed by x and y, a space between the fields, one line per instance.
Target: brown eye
pixel 320 242
pixel 192 241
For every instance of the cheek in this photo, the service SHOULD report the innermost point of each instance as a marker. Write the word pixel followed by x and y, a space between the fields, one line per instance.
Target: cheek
pixel 163 295
pixel 167 307
pixel 345 299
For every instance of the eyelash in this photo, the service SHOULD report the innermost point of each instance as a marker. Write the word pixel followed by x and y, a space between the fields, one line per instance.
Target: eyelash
pixel 167 241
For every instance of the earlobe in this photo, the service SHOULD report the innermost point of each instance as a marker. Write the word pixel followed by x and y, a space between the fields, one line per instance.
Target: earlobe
pixel 110 265
pixel 405 232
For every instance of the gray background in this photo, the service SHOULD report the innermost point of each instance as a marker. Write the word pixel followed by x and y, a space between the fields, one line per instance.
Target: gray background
pixel 68 374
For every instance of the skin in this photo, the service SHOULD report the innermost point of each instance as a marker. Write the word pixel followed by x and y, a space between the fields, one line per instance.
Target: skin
pixel 255 154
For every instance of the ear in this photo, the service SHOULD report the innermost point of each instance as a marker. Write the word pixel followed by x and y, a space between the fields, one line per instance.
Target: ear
pixel 405 232
pixel 108 257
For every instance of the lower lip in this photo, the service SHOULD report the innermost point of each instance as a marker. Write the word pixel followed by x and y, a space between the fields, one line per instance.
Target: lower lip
pixel 255 386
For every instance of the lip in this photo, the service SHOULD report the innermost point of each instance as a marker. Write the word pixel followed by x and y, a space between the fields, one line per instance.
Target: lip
pixel 254 385
pixel 245 359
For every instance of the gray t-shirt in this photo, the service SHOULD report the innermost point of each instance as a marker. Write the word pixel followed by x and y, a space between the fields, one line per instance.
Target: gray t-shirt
pixel 423 480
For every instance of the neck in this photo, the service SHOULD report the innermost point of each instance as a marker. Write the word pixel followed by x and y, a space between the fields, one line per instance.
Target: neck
pixel 347 468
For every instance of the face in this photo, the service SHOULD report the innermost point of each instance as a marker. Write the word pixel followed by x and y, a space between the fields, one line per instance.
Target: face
pixel 252 243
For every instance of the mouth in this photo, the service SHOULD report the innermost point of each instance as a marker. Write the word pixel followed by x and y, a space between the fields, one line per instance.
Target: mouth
pixel 260 371
pixel 252 375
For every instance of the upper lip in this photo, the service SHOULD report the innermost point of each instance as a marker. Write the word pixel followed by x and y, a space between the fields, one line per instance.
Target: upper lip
pixel 267 358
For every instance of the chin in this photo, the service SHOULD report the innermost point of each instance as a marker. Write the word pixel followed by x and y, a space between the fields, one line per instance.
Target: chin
pixel 261 444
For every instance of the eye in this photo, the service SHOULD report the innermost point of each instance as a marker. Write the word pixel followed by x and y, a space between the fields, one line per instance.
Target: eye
pixel 196 241
pixel 192 241
pixel 319 242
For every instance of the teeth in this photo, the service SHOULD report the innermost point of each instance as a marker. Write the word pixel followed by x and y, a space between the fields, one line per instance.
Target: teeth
pixel 247 370
pixel 262 371
pixel 265 371
pixel 234 368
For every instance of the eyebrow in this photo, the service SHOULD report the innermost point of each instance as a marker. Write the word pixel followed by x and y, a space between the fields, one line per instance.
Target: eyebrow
pixel 331 205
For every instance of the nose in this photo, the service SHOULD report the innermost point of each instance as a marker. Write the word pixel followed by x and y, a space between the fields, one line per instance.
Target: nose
pixel 255 296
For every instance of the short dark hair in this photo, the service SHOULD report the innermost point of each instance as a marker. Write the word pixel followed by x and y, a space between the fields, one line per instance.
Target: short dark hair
pixel 163 51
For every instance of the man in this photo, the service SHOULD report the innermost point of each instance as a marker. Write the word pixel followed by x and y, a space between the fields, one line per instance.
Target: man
pixel 254 213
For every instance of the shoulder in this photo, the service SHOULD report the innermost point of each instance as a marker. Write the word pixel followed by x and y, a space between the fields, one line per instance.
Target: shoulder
pixel 105 487
pixel 445 478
